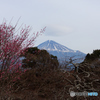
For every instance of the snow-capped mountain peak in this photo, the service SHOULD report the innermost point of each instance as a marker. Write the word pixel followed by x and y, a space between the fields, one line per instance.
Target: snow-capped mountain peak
pixel 61 51
pixel 54 46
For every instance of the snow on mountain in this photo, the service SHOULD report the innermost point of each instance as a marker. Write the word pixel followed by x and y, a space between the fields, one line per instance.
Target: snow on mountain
pixel 53 46
pixel 61 51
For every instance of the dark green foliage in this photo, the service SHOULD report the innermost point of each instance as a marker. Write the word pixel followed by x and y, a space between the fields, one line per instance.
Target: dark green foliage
pixel 88 56
pixel 39 58
pixel 95 55
pixel 53 57
pixel 31 50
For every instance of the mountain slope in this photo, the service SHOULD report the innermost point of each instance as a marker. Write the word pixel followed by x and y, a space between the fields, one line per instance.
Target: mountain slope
pixel 62 52
pixel 53 46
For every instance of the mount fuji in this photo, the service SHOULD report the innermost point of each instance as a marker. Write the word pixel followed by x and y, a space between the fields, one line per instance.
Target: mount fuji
pixel 62 52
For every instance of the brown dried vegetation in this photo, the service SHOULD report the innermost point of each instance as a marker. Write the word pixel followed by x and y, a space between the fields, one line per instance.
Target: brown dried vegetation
pixel 46 83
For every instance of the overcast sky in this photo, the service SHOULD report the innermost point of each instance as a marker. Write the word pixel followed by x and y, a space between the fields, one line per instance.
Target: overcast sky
pixel 72 23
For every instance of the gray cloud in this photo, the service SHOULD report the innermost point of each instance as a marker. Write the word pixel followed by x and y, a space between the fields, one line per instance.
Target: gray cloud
pixel 58 30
